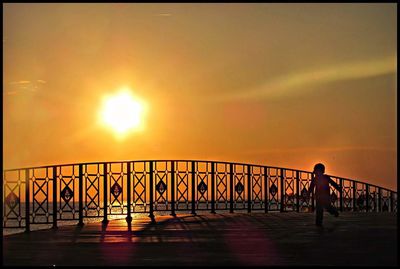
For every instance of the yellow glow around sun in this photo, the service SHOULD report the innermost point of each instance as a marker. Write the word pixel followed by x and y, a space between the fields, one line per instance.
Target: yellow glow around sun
pixel 122 112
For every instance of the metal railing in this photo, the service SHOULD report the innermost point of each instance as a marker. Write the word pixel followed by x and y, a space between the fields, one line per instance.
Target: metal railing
pixel 74 192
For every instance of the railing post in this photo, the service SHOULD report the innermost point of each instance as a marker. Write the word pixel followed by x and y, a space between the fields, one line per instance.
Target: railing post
pixel 27 202
pixel 151 215
pixel 193 188
pixel 379 199
pixel 391 202
pixel 367 197
pixel 54 197
pixel 282 191
pixel 354 195
pixel 297 191
pixel 105 192
pixel 266 202
pixel 374 201
pixel 341 195
pixel 80 223
pixel 129 192
pixel 249 190
pixel 213 187
pixel 231 187
pixel 312 196
pixel 173 188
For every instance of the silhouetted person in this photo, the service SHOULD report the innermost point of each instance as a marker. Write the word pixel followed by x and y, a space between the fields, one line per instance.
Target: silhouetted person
pixel 322 193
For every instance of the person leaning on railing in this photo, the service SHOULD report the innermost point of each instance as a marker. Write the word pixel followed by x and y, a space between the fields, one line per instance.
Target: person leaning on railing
pixel 321 183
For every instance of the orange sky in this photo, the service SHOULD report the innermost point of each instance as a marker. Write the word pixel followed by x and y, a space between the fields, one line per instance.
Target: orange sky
pixel 277 84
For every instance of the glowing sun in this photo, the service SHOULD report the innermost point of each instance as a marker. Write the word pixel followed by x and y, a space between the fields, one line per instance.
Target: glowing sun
pixel 122 112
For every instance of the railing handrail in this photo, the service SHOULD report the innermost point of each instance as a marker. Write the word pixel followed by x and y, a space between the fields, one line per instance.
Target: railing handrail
pixel 198 161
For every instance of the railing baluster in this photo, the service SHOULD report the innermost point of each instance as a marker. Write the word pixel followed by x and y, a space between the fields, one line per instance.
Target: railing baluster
pixel 374 201
pixel 266 202
pixel 367 197
pixel 193 188
pixel 354 196
pixel 129 192
pixel 282 191
pixel 379 199
pixel 341 195
pixel 151 215
pixel 231 188
pixel 249 189
pixel 213 187
pixel 80 223
pixel 105 192
pixel 54 197
pixel 391 202
pixel 173 188
pixel 27 202
pixel 297 191
pixel 312 196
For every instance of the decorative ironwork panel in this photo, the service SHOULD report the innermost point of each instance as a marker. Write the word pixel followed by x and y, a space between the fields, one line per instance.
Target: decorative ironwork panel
pixel 161 181
pixel 93 197
pixel 41 184
pixel 182 179
pixel 140 179
pixel 304 186
pixel 257 187
pixel 360 197
pixel 347 192
pixel 67 193
pixel 240 188
pixel 117 188
pixel 14 199
pixel 273 189
pixel 203 185
pixel 385 200
pixel 290 189
pixel 373 199
pixel 221 180
pixel 335 194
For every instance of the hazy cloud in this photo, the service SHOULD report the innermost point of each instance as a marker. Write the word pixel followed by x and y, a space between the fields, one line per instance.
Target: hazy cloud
pixel 24 86
pixel 11 92
pixel 164 15
pixel 318 149
pixel 301 81
pixel 20 82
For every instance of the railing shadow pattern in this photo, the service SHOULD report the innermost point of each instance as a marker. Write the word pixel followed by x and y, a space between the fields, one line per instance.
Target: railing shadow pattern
pixel 74 192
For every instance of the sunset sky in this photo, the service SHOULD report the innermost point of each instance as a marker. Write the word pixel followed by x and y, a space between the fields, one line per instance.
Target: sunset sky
pixel 284 85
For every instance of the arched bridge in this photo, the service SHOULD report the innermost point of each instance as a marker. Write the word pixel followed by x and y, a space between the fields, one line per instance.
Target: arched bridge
pixel 75 192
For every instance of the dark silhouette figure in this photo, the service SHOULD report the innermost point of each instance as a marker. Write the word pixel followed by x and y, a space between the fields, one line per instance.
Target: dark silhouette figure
pixel 321 183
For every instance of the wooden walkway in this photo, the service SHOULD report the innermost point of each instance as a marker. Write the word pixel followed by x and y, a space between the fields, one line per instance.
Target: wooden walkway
pixel 214 239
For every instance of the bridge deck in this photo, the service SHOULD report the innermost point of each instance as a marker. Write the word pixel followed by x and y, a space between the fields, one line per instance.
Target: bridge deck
pixel 220 239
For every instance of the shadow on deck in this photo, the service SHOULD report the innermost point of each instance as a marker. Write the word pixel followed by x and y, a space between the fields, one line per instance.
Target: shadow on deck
pixel 214 239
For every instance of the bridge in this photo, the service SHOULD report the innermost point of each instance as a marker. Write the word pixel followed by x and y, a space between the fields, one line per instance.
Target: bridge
pixel 190 197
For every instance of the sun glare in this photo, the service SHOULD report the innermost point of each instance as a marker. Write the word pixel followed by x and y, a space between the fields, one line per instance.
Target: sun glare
pixel 122 112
